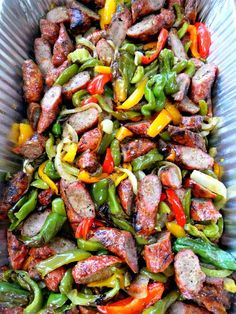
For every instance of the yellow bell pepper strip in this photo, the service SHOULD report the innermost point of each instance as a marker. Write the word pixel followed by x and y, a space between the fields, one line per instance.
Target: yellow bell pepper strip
pixel 135 97
pixel 193 38
pixel 174 112
pixel 101 14
pixel 85 176
pixel 46 179
pixel 175 229
pixel 218 170
pixel 118 177
pixel 108 11
pixel 229 285
pixel 161 121
pixel 109 282
pixel 70 155
pixel 26 132
pixel 102 69
pixel 14 133
pixel 122 133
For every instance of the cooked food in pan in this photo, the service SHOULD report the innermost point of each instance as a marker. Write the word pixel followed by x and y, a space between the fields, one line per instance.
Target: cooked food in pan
pixel 117 209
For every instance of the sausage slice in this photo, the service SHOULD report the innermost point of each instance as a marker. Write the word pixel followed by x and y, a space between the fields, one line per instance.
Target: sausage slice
pixel 141 7
pixel 105 51
pixel 193 123
pixel 54 73
pixel 90 140
pixel 183 81
pixel 49 31
pixel 170 177
pixel 43 55
pixel 140 128
pixel 32 81
pixel 53 279
pixel 190 10
pixel 204 210
pixel 148 198
pixel 33 114
pixel 136 148
pixel 198 190
pixel 58 15
pixel 76 83
pixel 183 308
pixel 85 120
pixel 17 251
pixel 88 161
pixel 186 105
pixel 176 45
pixel 126 195
pixel 34 223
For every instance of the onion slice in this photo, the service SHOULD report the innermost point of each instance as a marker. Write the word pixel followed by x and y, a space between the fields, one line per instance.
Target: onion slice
pixel 132 178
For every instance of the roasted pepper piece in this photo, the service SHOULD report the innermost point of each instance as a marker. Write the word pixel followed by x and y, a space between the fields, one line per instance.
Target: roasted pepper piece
pixel 115 151
pixel 161 121
pixel 89 100
pixel 122 133
pixel 108 11
pixel 138 75
pixel 50 171
pixel 146 161
pixel 193 38
pixel 67 74
pixel 26 132
pixel 174 112
pixel 183 30
pixel 179 15
pixel 84 228
pixel 12 294
pixel 99 192
pixel 77 97
pixel 175 229
pixel 96 85
pixel 204 39
pixel 66 282
pixel 176 206
pixel 86 177
pixel 46 179
pixel 49 147
pixel 102 69
pixel 89 245
pixel 156 277
pixel 114 205
pixel 108 164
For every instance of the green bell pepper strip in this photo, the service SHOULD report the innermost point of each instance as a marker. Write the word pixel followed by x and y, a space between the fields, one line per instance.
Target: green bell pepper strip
pixel 103 104
pixel 50 228
pixel 99 192
pixel 146 161
pixel 108 138
pixel 183 30
pixel 39 184
pixel 180 66
pixel 89 245
pixel 67 282
pixel 193 231
pixel 187 46
pixel 179 15
pixel 78 298
pixel 32 286
pixel 67 74
pixel 61 259
pixel 190 69
pixel 115 151
pixel 77 97
pixel 187 204
pixel 90 63
pixel 70 169
pixel 218 273
pixel 114 205
pixel 152 66
pixel 203 107
pixel 158 91
pixel 25 210
pixel 157 277
pixel 56 300
pixel 149 96
pixel 211 231
pixel 161 306
pixel 50 171
pixel 16 207
pixel 126 68
pixel 128 47
pixel 58 206
pixel 138 75
pixel 164 208
pixel 57 129
pixel 209 253
pixel 13 294
pixel 80 55
pixel 49 147
pixel 165 136
pixel 125 115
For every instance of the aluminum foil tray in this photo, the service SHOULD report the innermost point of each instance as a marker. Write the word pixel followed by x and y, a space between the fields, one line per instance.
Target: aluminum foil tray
pixel 18 28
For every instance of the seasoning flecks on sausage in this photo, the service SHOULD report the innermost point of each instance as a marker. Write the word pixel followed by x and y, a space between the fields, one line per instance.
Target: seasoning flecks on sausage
pixel 85 120
pixel 141 7
pixel 49 31
pixel 139 128
pixel 58 15
pixel 17 251
pixel 170 177
pixel 126 195
pixel 204 210
pixel 136 148
pixel 43 55
pixel 186 105
pixel 76 83
pixel 88 161
pixel 90 140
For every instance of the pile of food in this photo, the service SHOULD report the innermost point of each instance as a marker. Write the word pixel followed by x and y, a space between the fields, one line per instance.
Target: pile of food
pixel 117 208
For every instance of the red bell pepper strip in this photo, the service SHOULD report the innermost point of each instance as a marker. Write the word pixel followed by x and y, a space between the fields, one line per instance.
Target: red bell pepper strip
pixel 84 228
pixel 163 197
pixel 162 38
pixel 89 100
pixel 176 206
pixel 204 39
pixel 135 306
pixel 194 44
pixel 108 164
pixel 96 85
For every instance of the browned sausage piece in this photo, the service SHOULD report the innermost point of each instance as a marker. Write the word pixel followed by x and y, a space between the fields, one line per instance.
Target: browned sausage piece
pixel 186 137
pixel 77 82
pixel 186 105
pixel 33 114
pixel 49 31
pixel 50 107
pixel 58 15
pixel 95 36
pixel 120 243
pixel 45 197
pixel 126 195
pixel 90 140
pixel 183 308
pixel 140 128
pixel 191 10
pixel 188 274
pixel 79 204
pixel 158 256
pixel 43 55
pixel 170 177
pixel 202 82
pixel 119 25
pixel 192 158
pixel 204 210
pixel 17 251
pixel 32 148
pixel 193 123
pixel 61 245
pixel 94 268
pixel 144 7
pixel 148 198
pixel 83 121
pixel 151 25
pixel 53 279
pixel 104 51
pixel 88 161
pixel 12 310
pixel 183 81
pixel 54 73
pixel 176 45
pixel 136 148
pixel 33 224
pixel 32 81
pixel 198 190
pixel 63 46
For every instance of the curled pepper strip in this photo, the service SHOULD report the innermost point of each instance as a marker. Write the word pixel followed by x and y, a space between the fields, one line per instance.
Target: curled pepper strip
pixel 84 228
pixel 85 176
pixel 46 179
pixel 176 206
pixel 193 38
pixel 96 85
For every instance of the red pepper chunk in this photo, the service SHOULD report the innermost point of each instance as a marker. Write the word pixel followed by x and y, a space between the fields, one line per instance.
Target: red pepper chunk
pixel 89 100
pixel 135 306
pixel 204 39
pixel 108 164
pixel 84 228
pixel 176 206
pixel 96 85
pixel 162 38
